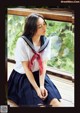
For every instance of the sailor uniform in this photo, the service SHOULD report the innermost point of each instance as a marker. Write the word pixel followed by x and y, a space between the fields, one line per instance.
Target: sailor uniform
pixel 20 89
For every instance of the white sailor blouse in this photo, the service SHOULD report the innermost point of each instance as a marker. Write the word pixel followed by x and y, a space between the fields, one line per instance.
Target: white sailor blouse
pixel 26 51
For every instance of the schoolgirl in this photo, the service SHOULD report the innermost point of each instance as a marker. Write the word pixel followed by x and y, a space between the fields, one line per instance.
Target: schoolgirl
pixel 29 85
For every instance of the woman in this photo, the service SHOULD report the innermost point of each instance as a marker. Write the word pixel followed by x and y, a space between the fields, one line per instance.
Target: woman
pixel 29 84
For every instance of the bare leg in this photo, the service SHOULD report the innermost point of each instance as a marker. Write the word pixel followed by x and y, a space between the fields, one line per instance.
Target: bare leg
pixel 55 103
pixel 11 103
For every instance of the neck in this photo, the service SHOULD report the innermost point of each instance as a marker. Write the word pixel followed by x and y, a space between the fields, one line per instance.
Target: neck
pixel 36 40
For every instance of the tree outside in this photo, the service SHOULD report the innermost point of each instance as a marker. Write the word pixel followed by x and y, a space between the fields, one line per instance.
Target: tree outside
pixel 61 35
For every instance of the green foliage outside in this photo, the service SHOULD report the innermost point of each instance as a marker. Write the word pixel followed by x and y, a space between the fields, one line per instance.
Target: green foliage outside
pixel 62 41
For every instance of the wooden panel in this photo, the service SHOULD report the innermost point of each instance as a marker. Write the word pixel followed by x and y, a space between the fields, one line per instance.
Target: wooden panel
pixel 53 14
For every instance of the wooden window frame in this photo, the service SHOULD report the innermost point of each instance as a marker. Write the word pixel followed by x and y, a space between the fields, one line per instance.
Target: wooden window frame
pixel 57 14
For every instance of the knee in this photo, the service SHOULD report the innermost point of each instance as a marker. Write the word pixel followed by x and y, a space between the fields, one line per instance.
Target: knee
pixel 55 103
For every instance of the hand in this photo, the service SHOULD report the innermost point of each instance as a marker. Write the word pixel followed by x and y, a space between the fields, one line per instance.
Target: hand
pixel 39 93
pixel 44 92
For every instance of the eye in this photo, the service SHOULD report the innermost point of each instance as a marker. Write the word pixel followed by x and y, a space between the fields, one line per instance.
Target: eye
pixel 40 26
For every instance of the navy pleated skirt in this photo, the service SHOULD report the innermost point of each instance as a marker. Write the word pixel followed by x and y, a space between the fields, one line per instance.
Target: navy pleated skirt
pixel 23 94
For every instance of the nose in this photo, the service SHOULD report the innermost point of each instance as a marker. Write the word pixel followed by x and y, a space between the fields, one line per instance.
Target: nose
pixel 44 27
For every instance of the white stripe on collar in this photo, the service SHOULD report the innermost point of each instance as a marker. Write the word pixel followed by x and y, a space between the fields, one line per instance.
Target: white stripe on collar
pixel 32 46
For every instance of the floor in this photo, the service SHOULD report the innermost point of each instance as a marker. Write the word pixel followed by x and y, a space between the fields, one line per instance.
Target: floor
pixel 66 87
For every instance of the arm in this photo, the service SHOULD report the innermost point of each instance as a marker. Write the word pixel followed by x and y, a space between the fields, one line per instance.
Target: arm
pixel 41 79
pixel 45 58
pixel 31 78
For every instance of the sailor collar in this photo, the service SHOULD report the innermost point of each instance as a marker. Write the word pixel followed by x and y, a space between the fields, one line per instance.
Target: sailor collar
pixel 44 43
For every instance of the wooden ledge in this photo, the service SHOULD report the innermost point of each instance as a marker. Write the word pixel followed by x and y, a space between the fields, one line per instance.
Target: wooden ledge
pixel 57 14
pixel 59 73
pixel 53 71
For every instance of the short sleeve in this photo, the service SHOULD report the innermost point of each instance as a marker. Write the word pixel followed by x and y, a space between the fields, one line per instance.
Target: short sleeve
pixel 46 54
pixel 21 53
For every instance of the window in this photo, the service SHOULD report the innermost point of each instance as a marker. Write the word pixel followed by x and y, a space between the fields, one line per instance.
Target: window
pixel 62 41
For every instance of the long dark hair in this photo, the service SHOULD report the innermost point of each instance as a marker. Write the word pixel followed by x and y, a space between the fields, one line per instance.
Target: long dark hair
pixel 30 27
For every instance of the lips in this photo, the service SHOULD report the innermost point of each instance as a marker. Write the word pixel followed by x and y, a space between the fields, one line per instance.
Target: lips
pixel 44 31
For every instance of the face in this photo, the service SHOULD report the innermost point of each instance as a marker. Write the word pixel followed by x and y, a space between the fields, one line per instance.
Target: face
pixel 41 27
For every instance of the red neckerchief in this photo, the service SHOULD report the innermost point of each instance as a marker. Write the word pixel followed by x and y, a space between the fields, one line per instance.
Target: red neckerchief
pixel 36 54
pixel 39 59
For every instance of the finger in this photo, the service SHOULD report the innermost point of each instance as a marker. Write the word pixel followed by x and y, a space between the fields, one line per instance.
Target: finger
pixel 43 98
pixel 46 94
pixel 43 92
pixel 40 95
